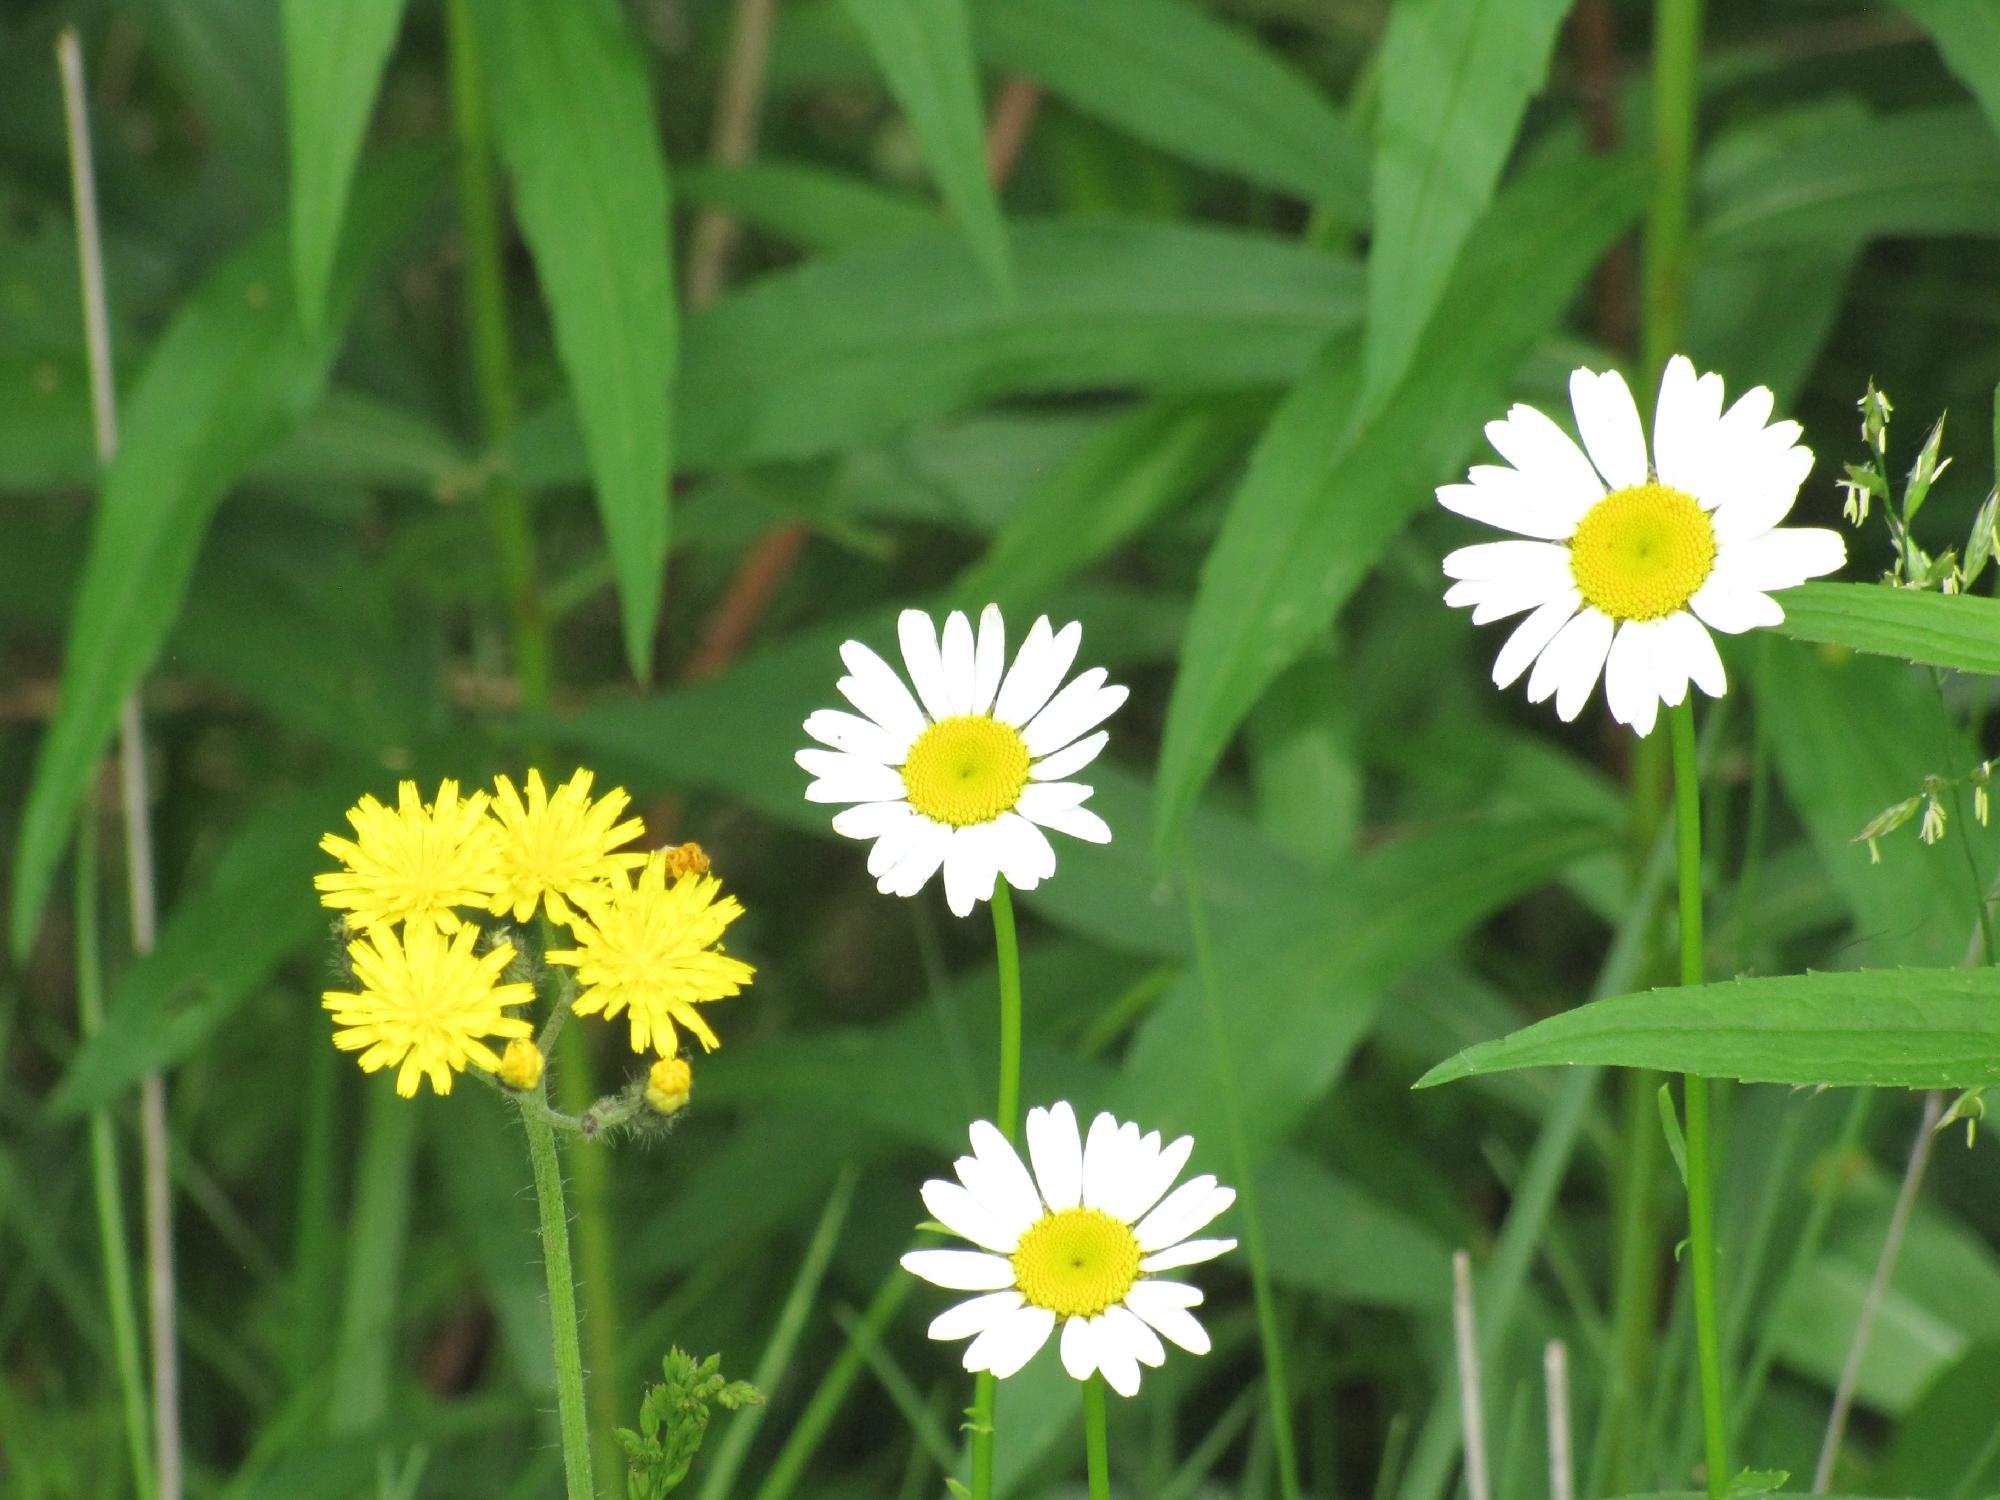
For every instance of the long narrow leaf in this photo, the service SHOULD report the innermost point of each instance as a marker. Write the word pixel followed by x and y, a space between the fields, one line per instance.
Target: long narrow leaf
pixel 1959 631
pixel 334 56
pixel 574 113
pixel 233 371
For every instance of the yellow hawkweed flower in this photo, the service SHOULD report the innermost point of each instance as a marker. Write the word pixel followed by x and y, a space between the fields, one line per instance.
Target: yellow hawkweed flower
pixel 425 1002
pixel 553 846
pixel 521 1064
pixel 668 1084
pixel 649 948
pixel 413 864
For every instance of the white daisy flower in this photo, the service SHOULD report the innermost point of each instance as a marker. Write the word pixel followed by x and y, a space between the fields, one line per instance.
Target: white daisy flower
pixel 968 780
pixel 1628 564
pixel 1080 1243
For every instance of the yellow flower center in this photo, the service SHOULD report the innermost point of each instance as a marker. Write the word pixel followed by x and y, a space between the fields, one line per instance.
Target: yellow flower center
pixel 1642 552
pixel 967 769
pixel 1076 1262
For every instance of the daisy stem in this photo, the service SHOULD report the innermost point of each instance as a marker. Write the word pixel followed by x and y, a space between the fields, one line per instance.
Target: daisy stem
pixel 1007 1115
pixel 547 1168
pixel 1277 1386
pixel 1700 1153
pixel 1676 60
pixel 1096 1446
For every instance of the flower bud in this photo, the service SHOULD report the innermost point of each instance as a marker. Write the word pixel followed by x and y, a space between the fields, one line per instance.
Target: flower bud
pixel 668 1085
pixel 521 1064
pixel 686 859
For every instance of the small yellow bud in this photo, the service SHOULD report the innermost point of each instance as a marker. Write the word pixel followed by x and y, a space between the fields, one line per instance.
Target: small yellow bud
pixel 521 1064
pixel 668 1085
pixel 687 859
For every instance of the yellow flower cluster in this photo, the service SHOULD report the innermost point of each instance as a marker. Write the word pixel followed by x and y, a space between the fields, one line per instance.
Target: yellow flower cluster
pixel 646 929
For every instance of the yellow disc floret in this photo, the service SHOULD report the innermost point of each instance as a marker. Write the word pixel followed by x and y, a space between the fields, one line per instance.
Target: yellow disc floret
pixel 426 1002
pixel 1642 552
pixel 1076 1262
pixel 651 949
pixel 966 769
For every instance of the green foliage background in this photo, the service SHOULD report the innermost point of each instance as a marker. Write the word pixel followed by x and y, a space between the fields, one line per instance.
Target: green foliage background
pixel 1188 374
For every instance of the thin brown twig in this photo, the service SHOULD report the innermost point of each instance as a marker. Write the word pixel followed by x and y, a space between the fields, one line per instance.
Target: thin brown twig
pixel 732 141
pixel 1471 1409
pixel 139 863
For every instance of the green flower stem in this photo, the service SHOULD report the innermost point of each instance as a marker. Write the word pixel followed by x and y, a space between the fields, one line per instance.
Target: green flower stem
pixel 1277 1386
pixel 1676 58
pixel 1095 1445
pixel 1007 1116
pixel 112 1238
pixel 562 1303
pixel 1700 1152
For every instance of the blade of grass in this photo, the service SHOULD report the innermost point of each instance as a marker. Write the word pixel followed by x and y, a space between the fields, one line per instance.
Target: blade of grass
pixel 365 1347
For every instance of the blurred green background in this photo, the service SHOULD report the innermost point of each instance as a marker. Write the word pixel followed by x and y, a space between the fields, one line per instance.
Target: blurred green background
pixel 1158 315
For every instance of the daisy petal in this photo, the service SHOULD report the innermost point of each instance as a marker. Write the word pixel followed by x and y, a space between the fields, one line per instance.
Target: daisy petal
pixel 1011 1342
pixel 1154 1175
pixel 1547 457
pixel 1071 759
pixel 1578 650
pixel 1784 558
pixel 1164 1306
pixel 1079 1348
pixel 1512 561
pixel 971 865
pixel 1504 499
pixel 1722 605
pixel 960 1270
pixel 1186 1253
pixel 1192 1205
pixel 974 1315
pixel 991 659
pixel 868 820
pixel 1532 636
pixel 932 841
pixel 1135 1336
pixel 1037 671
pixel 1056 804
pixel 1106 1160
pixel 857 736
pixel 1001 1183
pixel 874 688
pixel 1077 709
pixel 1608 419
pixel 1628 679
pixel 1684 425
pixel 923 660
pixel 960 665
pixel 849 778
pixel 1057 1152
pixel 1696 650
pixel 1022 851
pixel 968 1218
pixel 1116 1357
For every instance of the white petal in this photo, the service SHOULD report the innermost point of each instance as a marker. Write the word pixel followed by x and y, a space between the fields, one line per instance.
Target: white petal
pixel 1186 1253
pixel 1022 851
pixel 966 1217
pixel 999 1179
pixel 1506 499
pixel 1151 1178
pixel 1056 804
pixel 1105 1160
pixel 924 662
pixel 959 665
pixel 974 1315
pixel 857 736
pixel 1076 710
pixel 1116 1357
pixel 1577 653
pixel 1532 636
pixel 1011 1342
pixel 875 689
pixel 1696 650
pixel 1628 679
pixel 991 661
pixel 849 778
pixel 1079 1348
pixel 1187 1208
pixel 894 844
pixel 1684 426
pixel 1164 1305
pixel 1784 558
pixel 1608 418
pixel 1135 1336
pixel 915 868
pixel 1071 759
pixel 1495 599
pixel 1512 561
pixel 868 820
pixel 1547 457
pixel 1038 667
pixel 971 865
pixel 960 1270
pixel 1724 606
pixel 1057 1152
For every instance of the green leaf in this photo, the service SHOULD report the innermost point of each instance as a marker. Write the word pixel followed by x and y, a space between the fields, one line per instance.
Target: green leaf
pixel 1959 631
pixel 1967 33
pixel 255 908
pixel 232 372
pixel 334 56
pixel 924 49
pixel 1329 488
pixel 574 113
pixel 1923 172
pixel 1884 1028
pixel 1180 80
pixel 1456 77
pixel 811 206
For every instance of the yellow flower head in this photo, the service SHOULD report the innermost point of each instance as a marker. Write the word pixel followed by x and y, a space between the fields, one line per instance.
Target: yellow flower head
pixel 649 948
pixel 413 864
pixel 552 847
pixel 425 1002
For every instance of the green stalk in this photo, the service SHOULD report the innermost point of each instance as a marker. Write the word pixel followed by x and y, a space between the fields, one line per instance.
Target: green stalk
pixel 562 1305
pixel 1676 56
pixel 1095 1446
pixel 1007 948
pixel 1700 1153
pixel 378 1234
pixel 112 1238
pixel 1277 1386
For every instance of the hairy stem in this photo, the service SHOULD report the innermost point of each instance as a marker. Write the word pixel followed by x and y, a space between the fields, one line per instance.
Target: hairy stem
pixel 562 1305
